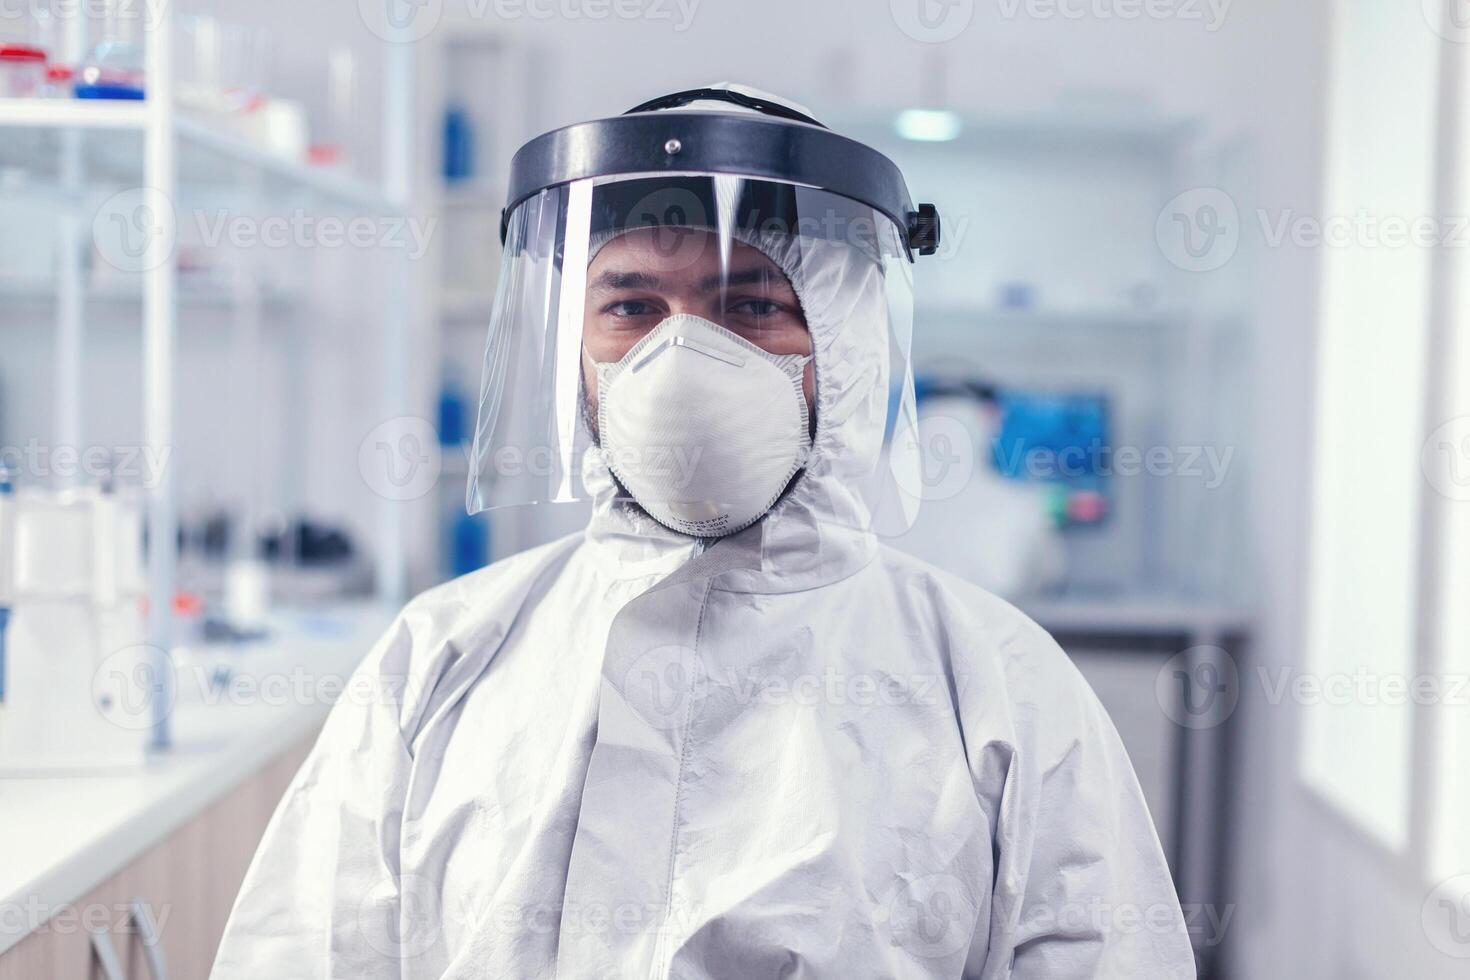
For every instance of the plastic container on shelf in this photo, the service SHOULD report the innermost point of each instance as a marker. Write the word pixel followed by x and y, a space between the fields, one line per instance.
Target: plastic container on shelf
pixel 59 79
pixel 113 70
pixel 22 70
pixel 333 109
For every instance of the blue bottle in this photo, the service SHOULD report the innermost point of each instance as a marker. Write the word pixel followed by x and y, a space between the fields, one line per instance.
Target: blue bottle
pixel 459 145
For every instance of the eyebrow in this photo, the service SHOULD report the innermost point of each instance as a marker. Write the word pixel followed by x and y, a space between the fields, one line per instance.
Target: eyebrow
pixel 624 280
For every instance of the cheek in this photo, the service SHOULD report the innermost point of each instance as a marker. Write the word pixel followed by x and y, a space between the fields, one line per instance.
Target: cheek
pixel 809 386
pixel 589 379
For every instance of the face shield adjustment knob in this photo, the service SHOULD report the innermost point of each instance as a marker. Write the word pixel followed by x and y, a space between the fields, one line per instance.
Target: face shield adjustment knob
pixel 924 229
pixel 673 147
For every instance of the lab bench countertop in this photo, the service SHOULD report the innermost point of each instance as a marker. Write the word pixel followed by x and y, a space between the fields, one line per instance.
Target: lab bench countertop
pixel 63 834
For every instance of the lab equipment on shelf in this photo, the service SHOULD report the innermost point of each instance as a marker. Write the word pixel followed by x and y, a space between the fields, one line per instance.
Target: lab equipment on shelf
pixel 1062 440
pixel 22 70
pixel 113 70
pixel 459 145
pixel 80 681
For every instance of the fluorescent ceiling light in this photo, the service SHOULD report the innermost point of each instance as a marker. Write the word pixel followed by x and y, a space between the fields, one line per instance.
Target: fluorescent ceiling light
pixel 928 125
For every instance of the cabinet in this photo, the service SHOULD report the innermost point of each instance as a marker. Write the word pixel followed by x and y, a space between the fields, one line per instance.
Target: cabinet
pixel 187 882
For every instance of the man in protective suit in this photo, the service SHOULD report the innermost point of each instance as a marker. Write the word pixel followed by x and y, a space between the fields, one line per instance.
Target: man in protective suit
pixel 724 732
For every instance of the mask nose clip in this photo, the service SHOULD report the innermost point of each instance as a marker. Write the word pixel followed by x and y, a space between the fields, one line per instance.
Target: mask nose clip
pixel 669 343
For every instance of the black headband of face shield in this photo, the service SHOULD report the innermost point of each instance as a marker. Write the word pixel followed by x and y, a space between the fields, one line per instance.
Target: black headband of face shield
pixel 756 146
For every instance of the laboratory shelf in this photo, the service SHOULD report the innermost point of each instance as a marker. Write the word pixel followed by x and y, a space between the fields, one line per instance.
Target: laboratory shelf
pixel 217 163
pixel 72 114
pixel 330 185
pixel 203 293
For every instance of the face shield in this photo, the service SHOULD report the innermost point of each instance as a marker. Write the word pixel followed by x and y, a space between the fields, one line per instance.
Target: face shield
pixel 702 343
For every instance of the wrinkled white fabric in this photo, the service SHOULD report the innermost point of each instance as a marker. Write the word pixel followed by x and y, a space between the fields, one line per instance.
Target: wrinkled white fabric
pixel 791 753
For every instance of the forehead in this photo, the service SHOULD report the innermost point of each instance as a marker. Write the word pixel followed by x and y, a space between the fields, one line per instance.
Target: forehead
pixel 677 255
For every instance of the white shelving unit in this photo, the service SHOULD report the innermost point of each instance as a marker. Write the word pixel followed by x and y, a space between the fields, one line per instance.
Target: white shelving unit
pixel 171 143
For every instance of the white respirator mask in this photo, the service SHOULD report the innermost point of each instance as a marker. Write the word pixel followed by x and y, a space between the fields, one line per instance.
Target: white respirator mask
pixel 703 428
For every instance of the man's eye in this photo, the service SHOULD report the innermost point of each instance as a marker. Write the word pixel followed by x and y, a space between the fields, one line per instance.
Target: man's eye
pixel 757 307
pixel 631 307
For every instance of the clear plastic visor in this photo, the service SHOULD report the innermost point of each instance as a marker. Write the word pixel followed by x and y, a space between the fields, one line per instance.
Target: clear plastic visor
pixel 591 268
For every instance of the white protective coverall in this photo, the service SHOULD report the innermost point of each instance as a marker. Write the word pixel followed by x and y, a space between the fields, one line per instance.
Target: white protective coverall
pixel 790 752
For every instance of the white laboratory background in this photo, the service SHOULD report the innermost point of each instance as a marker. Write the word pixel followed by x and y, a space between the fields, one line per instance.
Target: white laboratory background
pixel 248 252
